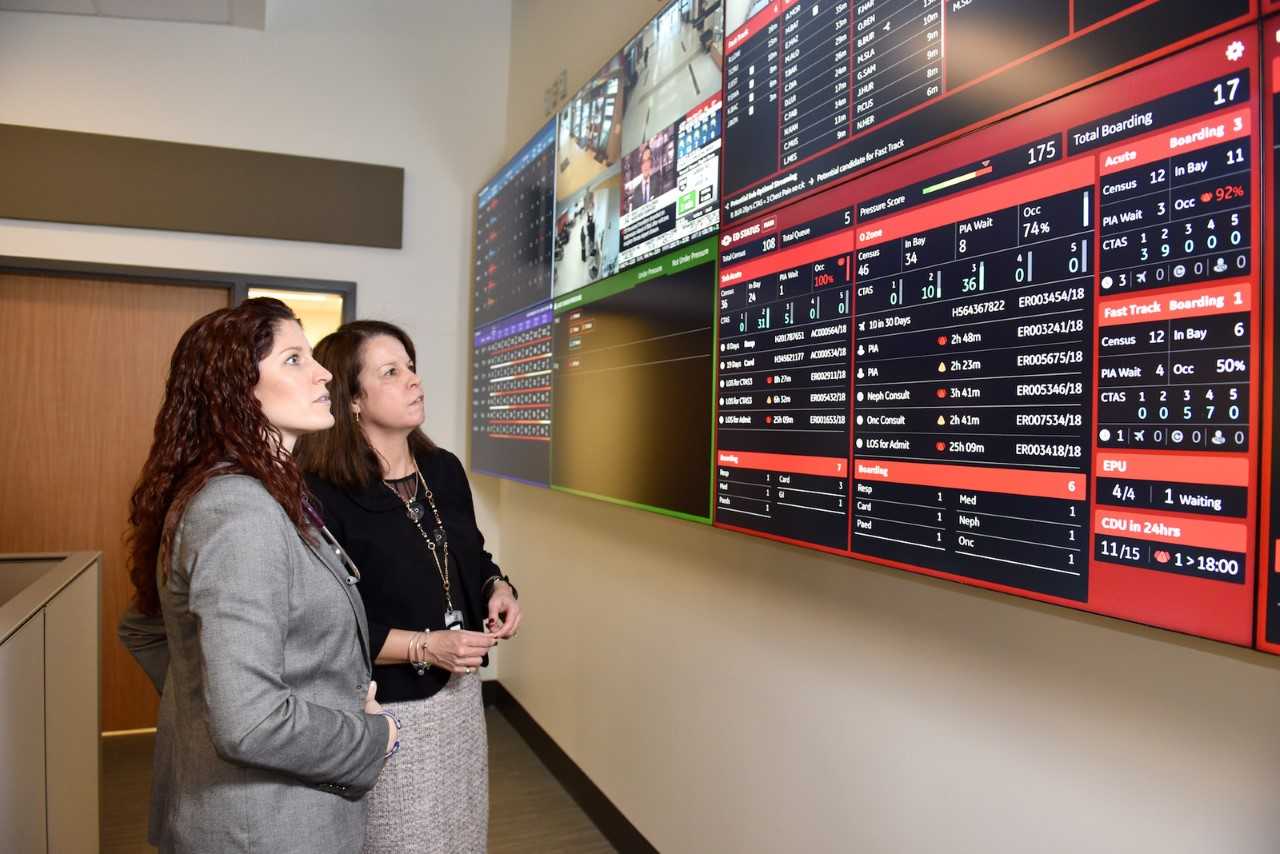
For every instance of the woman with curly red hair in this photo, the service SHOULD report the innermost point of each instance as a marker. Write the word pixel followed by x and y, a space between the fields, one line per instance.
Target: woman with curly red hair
pixel 246 614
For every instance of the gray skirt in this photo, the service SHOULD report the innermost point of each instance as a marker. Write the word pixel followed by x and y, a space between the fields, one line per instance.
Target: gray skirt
pixel 433 795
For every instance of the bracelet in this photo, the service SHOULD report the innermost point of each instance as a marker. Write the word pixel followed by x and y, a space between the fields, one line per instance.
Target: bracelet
pixel 492 580
pixel 390 715
pixel 417 656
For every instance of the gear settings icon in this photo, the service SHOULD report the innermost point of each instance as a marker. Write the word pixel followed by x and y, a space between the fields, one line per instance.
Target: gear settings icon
pixel 1235 51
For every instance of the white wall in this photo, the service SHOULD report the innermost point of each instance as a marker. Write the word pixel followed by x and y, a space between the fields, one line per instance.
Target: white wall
pixel 421 85
pixel 736 695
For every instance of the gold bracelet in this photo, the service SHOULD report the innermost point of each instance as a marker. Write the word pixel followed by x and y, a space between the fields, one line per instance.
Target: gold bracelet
pixel 417 657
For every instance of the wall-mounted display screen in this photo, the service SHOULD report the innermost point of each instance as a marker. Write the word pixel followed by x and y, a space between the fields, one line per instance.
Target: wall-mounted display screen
pixel 1026 359
pixel 782 394
pixel 628 174
pixel 671 67
pixel 638 155
pixel 511 397
pixel 589 182
pixel 818 90
pixel 967 288
pixel 670 186
pixel 632 385
pixel 511 361
pixel 512 266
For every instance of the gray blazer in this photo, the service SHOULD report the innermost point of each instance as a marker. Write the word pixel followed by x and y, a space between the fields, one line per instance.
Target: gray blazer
pixel 262 743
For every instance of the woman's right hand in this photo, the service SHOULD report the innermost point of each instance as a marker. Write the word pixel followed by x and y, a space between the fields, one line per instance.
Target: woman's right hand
pixel 458 651
pixel 373 707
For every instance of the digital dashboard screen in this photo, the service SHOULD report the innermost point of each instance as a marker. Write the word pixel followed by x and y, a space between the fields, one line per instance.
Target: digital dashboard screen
pixel 511 347
pixel 632 386
pixel 1026 359
pixel 512 266
pixel 968 288
pixel 511 397
pixel 817 91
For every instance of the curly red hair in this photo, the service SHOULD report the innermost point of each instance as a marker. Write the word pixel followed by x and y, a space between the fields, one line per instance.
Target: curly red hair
pixel 209 417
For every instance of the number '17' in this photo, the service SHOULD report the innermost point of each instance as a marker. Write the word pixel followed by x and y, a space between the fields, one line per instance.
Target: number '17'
pixel 1225 93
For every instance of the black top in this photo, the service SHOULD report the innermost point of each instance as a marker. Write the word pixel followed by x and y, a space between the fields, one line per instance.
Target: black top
pixel 399 581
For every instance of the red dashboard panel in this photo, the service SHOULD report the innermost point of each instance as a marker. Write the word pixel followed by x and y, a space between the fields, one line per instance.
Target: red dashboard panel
pixel 1027 359
pixel 818 91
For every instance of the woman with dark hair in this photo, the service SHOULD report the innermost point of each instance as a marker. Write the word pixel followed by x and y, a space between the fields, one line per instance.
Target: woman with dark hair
pixel 244 615
pixel 402 508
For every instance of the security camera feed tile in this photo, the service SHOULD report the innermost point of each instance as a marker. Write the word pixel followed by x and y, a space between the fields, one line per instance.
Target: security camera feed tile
pixel 588 185
pixel 637 155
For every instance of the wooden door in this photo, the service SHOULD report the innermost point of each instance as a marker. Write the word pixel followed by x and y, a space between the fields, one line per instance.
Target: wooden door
pixel 82 369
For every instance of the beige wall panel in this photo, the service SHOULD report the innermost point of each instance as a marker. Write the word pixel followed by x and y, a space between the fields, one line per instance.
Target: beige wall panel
pixel 73 762
pixel 22 780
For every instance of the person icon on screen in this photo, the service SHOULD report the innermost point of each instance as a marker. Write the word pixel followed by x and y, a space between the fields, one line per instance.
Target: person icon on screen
pixel 643 191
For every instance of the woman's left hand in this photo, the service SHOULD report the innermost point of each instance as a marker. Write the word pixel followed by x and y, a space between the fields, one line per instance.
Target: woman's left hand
pixel 504 612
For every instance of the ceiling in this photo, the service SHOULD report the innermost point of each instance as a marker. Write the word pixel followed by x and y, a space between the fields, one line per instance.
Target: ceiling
pixel 234 13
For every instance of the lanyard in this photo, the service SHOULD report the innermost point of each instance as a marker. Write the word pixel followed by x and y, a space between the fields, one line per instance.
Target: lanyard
pixel 437 541
pixel 353 571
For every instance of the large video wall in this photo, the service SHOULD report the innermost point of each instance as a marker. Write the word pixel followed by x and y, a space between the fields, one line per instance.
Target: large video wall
pixel 988 309
pixel 595 280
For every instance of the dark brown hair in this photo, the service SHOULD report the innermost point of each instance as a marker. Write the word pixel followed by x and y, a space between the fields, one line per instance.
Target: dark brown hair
pixel 342 455
pixel 209 416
